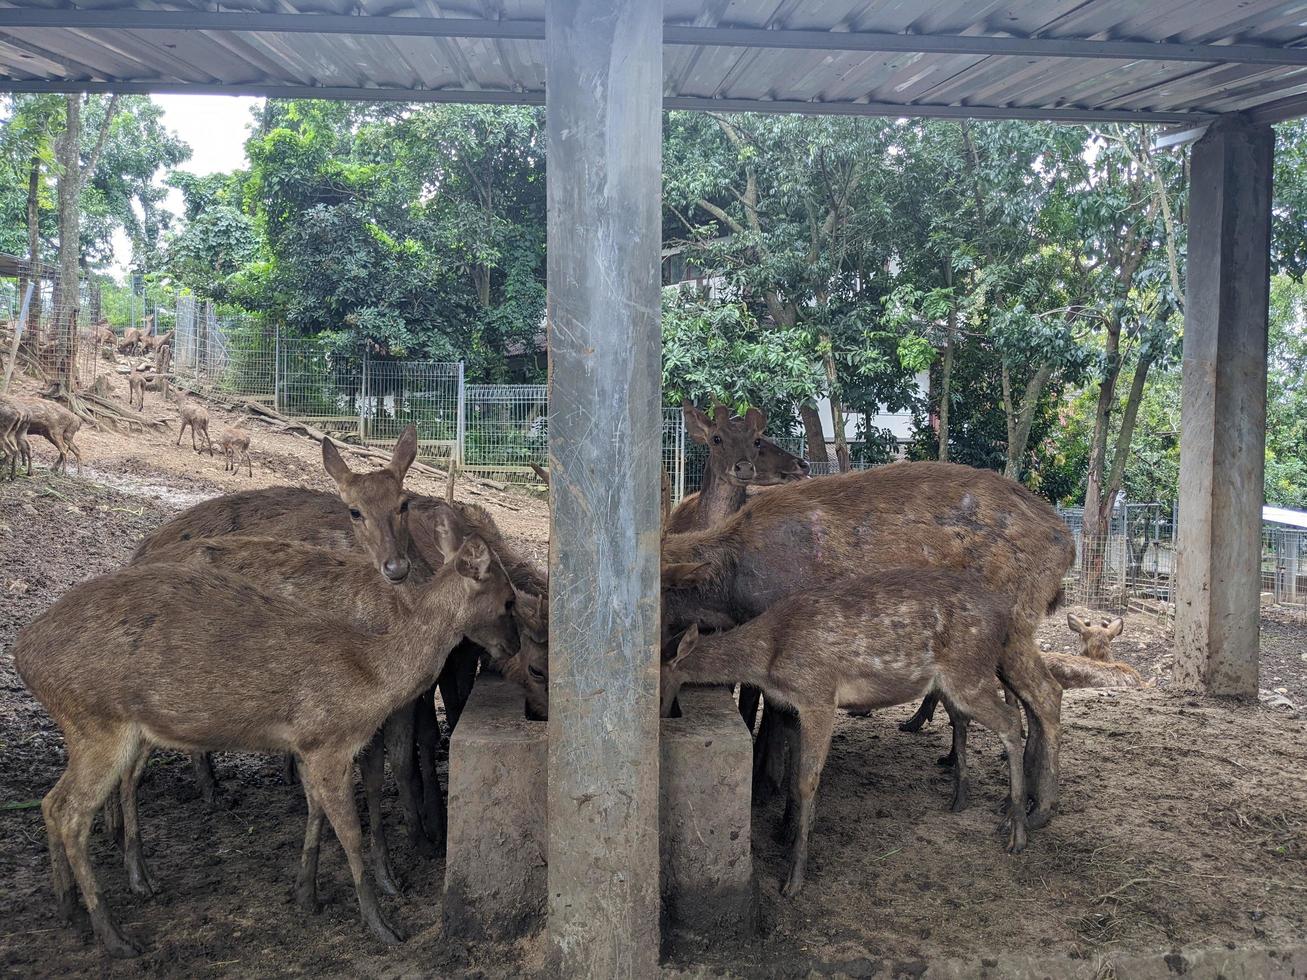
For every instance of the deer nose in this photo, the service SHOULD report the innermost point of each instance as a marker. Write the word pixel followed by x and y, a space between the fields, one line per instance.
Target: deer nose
pixel 744 470
pixel 395 569
pixel 803 467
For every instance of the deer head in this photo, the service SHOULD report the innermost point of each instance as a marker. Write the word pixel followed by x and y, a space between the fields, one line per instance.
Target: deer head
pixel 493 624
pixel 732 442
pixel 1096 635
pixel 378 505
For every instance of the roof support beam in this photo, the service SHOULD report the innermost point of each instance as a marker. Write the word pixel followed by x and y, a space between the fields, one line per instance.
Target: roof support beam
pixel 736 37
pixel 1069 114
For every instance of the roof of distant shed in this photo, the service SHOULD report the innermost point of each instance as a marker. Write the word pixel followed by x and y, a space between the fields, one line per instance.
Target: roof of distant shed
pixel 1175 61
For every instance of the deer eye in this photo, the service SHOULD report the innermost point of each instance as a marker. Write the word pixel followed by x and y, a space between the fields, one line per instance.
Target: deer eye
pixel 536 672
pixel 355 514
pixel 716 440
pixel 757 444
pixel 403 507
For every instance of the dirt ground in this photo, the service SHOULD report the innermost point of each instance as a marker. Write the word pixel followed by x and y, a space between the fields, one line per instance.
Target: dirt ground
pixel 1183 820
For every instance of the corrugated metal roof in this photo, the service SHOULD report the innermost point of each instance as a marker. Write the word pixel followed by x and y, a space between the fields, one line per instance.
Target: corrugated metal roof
pixel 1162 61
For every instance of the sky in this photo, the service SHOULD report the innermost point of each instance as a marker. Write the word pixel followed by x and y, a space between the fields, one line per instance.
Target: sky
pixel 215 128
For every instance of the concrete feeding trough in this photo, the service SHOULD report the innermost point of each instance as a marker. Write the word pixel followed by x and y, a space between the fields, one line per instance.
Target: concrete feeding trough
pixel 496 866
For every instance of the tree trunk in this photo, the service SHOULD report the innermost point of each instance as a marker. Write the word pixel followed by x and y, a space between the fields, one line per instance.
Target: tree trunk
pixel 836 405
pixel 68 154
pixel 1021 417
pixel 813 433
pixel 946 373
pixel 33 249
pixel 1098 506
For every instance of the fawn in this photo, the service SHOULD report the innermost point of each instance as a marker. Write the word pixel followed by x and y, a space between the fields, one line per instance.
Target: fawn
pixel 233 441
pixel 872 641
pixel 141 658
pixel 197 417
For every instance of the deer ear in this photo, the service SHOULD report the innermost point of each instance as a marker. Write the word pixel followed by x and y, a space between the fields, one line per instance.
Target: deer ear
pixel 756 419
pixel 1074 623
pixel 473 559
pixel 686 647
pixel 685 575
pixel 1115 627
pixel 541 472
pixel 406 450
pixel 331 461
pixel 533 615
pixel 696 423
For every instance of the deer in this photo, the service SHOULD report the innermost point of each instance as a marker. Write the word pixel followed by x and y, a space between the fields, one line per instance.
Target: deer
pixel 59 427
pixel 344 584
pixel 14 422
pixel 872 641
pixel 193 415
pixel 136 382
pixel 102 334
pixel 738 457
pixel 1095 637
pixel 371 512
pixel 131 341
pixel 917 514
pixel 141 658
pixel 1073 671
pixel 235 441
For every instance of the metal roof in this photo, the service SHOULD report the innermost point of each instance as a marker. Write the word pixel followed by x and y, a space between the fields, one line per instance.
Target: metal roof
pixel 1176 61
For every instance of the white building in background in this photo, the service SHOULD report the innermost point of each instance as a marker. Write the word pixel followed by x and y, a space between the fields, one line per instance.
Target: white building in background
pixel 856 423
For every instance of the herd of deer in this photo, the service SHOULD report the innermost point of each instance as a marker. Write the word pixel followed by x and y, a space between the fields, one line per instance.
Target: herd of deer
pixel 354 607
pixel 21 417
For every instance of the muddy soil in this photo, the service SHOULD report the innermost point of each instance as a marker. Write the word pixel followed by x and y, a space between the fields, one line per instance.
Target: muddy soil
pixel 1183 820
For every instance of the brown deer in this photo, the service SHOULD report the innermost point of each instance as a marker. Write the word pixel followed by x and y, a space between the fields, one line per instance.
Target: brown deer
pixel 1096 636
pixel 102 334
pixel 930 515
pixel 14 422
pixel 143 658
pixel 738 456
pixel 131 342
pixel 58 425
pixel 377 517
pixel 136 381
pixel 872 641
pixel 235 443
pixel 347 586
pixel 197 417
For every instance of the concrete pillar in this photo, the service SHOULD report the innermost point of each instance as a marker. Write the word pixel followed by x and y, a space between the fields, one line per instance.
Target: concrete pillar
pixel 604 99
pixel 1223 410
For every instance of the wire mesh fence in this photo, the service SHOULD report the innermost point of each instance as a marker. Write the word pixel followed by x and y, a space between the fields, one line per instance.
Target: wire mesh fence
pixel 50 331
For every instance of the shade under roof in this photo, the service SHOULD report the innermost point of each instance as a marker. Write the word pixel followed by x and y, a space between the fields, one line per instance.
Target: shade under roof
pixel 1175 61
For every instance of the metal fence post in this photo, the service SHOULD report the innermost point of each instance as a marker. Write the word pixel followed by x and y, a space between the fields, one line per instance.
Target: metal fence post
pixel 276 367
pixel 363 398
pixel 460 426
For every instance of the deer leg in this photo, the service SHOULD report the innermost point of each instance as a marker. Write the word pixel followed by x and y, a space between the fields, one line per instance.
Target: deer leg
pixel 815 728
pixel 138 876
pixel 372 762
pixel 249 466
pixel 306 881
pixel 961 788
pixel 749 698
pixel 925 713
pixel 77 455
pixel 288 769
pixel 456 680
pixel 181 432
pixel 328 775
pixel 95 764
pixel 26 446
pixel 427 727
pixel 1040 695
pixel 193 443
pixel 779 737
pixel 65 887
pixel 401 750
pixel 986 707
pixel 768 752
pixel 202 764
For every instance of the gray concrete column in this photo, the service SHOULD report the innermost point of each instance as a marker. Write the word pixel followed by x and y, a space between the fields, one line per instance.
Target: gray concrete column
pixel 603 103
pixel 1223 410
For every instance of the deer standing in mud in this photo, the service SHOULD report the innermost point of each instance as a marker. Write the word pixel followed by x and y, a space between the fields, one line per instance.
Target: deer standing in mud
pixel 922 515
pixel 143 658
pixel 59 427
pixel 197 417
pixel 871 641
pixel 235 445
